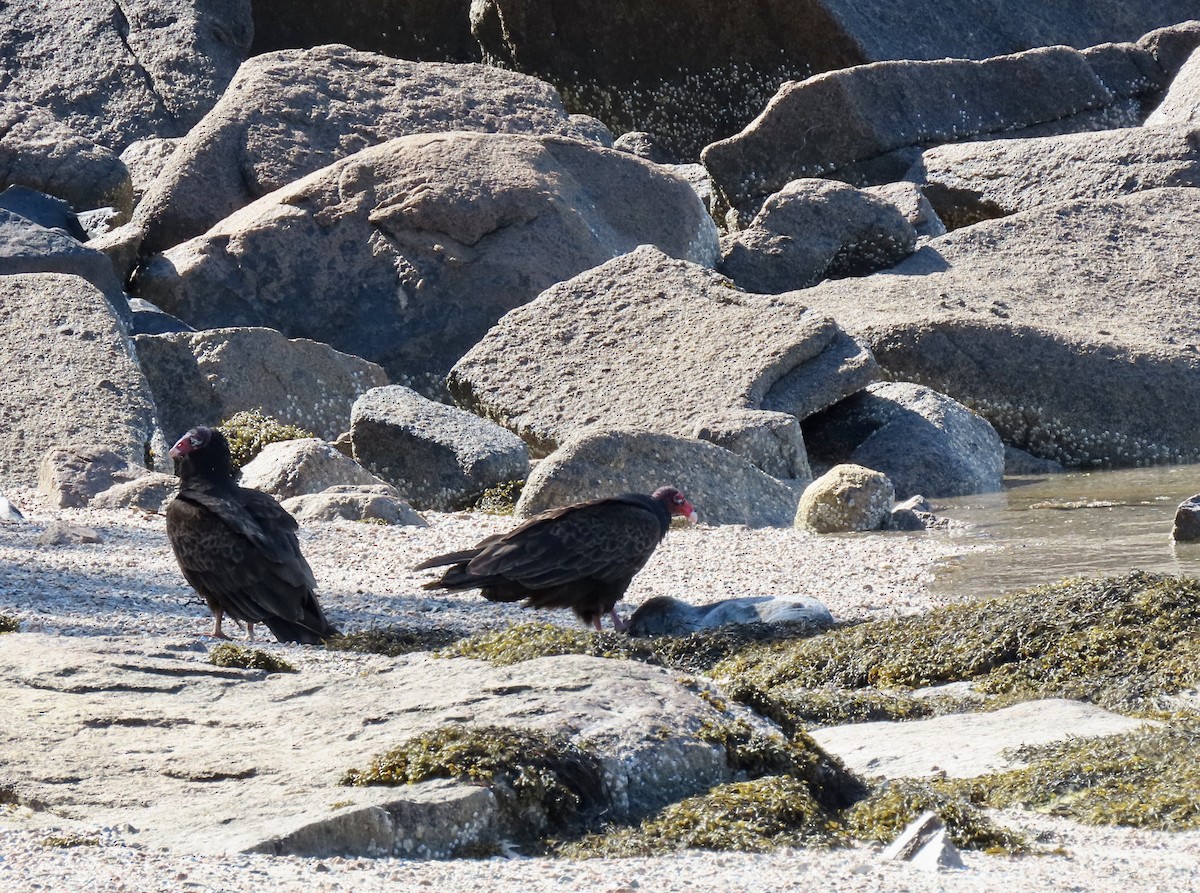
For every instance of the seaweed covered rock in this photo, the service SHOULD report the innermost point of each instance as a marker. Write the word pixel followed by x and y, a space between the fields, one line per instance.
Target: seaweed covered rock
pixel 1124 643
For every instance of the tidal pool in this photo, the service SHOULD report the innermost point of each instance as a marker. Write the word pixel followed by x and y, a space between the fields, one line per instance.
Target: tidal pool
pixel 1087 524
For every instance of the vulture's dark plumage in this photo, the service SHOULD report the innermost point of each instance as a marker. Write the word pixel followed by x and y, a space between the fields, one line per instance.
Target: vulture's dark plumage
pixel 580 556
pixel 238 547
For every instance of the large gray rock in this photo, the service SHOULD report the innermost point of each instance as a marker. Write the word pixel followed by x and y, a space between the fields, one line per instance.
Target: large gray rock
pixel 203 378
pixel 600 462
pixel 398 255
pixel 1180 105
pixel 70 476
pixel 115 73
pixel 438 457
pixel 834 120
pixel 146 159
pixel 149 492
pixel 1062 326
pixel 335 101
pixel 812 230
pixel 289 468
pixel 1171 46
pixel 910 201
pixel 68 376
pixel 923 441
pixel 693 71
pixel 652 342
pixel 981 180
pixel 39 151
pixel 261 772
pixel 28 247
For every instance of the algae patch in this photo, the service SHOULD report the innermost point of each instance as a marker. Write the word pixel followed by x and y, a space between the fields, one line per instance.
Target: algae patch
pixel 229 655
pixel 547 781
pixel 393 641
pixel 251 430
pixel 694 653
pixel 882 816
pixel 1146 778
pixel 754 816
pixel 500 499
pixel 1121 642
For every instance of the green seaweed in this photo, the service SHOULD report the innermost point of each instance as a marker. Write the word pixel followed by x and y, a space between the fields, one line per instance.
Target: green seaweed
pixel 500 499
pixel 393 640
pixel 251 430
pixel 66 841
pixel 1121 642
pixel 1145 778
pixel 230 655
pixel 547 780
pixel 894 804
pixel 755 816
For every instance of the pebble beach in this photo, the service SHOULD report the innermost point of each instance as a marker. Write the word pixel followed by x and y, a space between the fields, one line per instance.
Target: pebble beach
pixel 128 585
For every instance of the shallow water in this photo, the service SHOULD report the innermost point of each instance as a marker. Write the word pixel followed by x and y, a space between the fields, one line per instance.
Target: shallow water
pixel 1078 524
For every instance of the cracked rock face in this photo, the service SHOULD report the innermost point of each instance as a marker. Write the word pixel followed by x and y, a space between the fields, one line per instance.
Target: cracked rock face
pixel 119 72
pixel 406 253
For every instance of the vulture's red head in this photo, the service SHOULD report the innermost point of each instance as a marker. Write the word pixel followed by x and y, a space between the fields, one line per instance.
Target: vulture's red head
pixel 676 503
pixel 204 451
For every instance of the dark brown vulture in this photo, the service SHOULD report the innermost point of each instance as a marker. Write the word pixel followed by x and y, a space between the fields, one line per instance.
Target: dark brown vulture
pixel 238 547
pixel 580 556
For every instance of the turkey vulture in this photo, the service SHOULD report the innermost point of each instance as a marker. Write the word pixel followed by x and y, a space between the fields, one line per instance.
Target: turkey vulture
pixel 238 547
pixel 580 556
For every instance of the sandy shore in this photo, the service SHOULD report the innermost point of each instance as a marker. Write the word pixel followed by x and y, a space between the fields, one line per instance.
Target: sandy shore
pixel 129 585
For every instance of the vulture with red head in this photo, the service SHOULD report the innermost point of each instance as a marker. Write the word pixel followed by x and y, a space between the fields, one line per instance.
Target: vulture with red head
pixel 238 546
pixel 580 556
